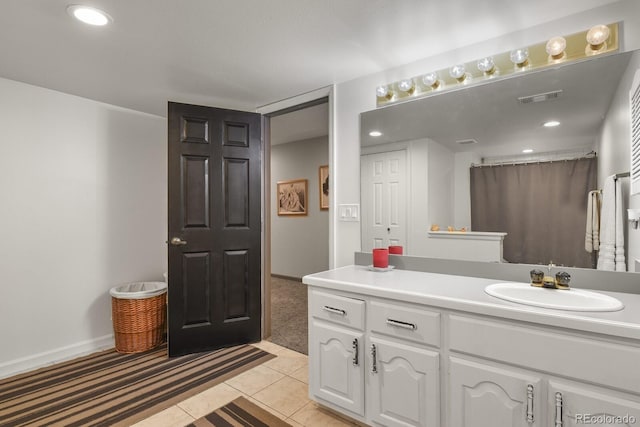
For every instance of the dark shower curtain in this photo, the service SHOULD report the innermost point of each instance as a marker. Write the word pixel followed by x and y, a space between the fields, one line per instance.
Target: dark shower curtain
pixel 541 206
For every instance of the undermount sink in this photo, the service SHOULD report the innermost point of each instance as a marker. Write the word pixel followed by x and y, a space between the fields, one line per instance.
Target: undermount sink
pixel 569 299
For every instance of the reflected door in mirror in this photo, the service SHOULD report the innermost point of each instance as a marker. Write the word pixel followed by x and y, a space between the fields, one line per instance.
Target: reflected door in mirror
pixel 383 183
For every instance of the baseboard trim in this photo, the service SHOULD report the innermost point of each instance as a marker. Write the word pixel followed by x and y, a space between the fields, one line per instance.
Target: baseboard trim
pixel 57 355
pixel 281 276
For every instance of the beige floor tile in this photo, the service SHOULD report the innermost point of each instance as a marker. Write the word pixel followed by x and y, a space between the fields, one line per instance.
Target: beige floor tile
pixel 254 380
pixel 267 408
pixel 285 396
pixel 312 415
pixel 203 403
pixel 269 347
pixel 301 374
pixel 170 417
pixel 287 362
pixel 293 423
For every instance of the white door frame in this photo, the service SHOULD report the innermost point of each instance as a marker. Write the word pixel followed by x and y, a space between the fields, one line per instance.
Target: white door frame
pixel 267 110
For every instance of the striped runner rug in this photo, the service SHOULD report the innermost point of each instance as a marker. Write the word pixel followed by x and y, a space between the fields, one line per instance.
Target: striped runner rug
pixel 239 413
pixel 113 389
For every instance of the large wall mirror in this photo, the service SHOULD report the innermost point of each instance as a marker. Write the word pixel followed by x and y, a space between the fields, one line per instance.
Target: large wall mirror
pixel 424 149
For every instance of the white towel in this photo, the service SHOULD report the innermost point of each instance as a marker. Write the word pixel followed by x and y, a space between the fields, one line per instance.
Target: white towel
pixel 592 234
pixel 621 263
pixel 611 254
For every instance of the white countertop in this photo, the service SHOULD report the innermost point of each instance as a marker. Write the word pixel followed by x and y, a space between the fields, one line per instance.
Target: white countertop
pixel 467 294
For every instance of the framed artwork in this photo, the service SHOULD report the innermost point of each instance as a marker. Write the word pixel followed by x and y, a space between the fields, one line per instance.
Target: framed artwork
pixel 292 197
pixel 323 173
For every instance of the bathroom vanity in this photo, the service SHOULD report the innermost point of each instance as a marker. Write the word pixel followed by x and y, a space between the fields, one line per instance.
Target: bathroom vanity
pixel 407 348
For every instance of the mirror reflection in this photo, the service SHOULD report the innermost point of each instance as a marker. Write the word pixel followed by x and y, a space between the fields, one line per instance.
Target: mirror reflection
pixel 504 171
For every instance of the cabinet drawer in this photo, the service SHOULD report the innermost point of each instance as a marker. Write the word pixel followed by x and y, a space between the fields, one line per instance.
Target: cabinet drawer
pixel 337 309
pixel 574 356
pixel 406 322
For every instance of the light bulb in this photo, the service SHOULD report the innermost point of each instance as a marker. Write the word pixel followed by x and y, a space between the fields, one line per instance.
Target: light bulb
pixel 597 36
pixel 89 15
pixel 487 65
pixel 430 79
pixel 382 91
pixel 375 133
pixel 556 46
pixel 519 56
pixel 551 124
pixel 457 72
pixel 406 85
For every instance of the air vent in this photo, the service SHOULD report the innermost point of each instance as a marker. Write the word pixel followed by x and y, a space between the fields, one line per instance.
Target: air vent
pixel 540 97
pixel 466 141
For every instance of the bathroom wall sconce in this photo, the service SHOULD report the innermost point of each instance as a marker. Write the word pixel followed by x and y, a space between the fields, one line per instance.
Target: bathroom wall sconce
pixel 601 39
pixel 407 85
pixel 555 48
pixel 458 72
pixel 520 57
pixel 431 80
pixel 487 65
pixel 634 217
pixel 597 37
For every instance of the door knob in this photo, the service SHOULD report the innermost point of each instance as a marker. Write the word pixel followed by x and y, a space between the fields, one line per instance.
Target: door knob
pixel 176 241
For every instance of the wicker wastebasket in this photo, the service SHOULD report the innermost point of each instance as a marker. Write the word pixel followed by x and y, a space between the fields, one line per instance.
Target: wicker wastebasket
pixel 139 312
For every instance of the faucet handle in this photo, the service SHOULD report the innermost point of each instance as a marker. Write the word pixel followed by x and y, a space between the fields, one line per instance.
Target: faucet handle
pixel 562 280
pixel 550 266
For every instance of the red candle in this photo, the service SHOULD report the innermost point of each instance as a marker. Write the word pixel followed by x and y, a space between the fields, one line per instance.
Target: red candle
pixel 395 250
pixel 381 258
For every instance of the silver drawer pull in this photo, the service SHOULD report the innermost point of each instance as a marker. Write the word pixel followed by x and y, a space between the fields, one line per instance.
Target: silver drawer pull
pixel 334 310
pixel 401 324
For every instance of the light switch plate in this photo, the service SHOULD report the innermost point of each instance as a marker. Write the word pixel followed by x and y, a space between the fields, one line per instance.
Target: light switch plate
pixel 349 212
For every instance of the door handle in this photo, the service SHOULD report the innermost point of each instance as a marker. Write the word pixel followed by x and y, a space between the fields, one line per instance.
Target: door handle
pixel 176 241
pixel 529 403
pixel 354 345
pixel 558 421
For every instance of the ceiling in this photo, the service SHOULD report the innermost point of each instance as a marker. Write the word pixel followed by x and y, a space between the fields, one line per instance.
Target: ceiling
pixel 242 53
pixel 299 125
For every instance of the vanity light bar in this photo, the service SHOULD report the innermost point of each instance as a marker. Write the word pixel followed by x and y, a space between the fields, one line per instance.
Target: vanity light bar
pixel 597 40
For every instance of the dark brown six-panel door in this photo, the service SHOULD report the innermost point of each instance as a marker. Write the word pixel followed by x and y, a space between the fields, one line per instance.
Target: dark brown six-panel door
pixel 214 228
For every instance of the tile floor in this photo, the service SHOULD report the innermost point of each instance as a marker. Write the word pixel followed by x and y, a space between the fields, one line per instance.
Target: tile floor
pixel 279 386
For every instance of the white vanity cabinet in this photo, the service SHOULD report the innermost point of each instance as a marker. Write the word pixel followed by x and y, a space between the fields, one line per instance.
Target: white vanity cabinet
pixel 387 353
pixel 404 374
pixel 336 368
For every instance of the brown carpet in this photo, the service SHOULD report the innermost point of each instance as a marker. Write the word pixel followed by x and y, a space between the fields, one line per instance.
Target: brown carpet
pixel 289 314
pixel 239 413
pixel 112 389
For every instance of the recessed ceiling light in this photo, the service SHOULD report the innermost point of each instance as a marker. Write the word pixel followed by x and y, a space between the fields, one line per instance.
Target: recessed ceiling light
pixel 551 124
pixel 375 133
pixel 89 15
pixel 527 150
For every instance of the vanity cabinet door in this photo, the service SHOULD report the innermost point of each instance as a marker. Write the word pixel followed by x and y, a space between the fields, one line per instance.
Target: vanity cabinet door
pixel 336 366
pixel 578 404
pixel 404 385
pixel 487 396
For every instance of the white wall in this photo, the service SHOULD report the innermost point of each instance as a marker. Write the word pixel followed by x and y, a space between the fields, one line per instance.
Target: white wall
pixel 614 152
pixel 357 96
pixel 299 244
pixel 462 191
pixel 83 208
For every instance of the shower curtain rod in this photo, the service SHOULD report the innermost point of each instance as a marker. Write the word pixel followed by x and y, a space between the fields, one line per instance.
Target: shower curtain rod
pixel 590 155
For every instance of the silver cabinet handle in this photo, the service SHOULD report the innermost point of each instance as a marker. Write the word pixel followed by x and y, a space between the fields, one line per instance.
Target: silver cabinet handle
pixel 334 310
pixel 354 344
pixel 176 241
pixel 401 324
pixel 558 410
pixel 530 403
pixel 374 365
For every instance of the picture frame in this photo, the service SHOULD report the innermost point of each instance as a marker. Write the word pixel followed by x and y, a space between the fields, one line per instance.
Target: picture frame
pixel 323 186
pixel 292 197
